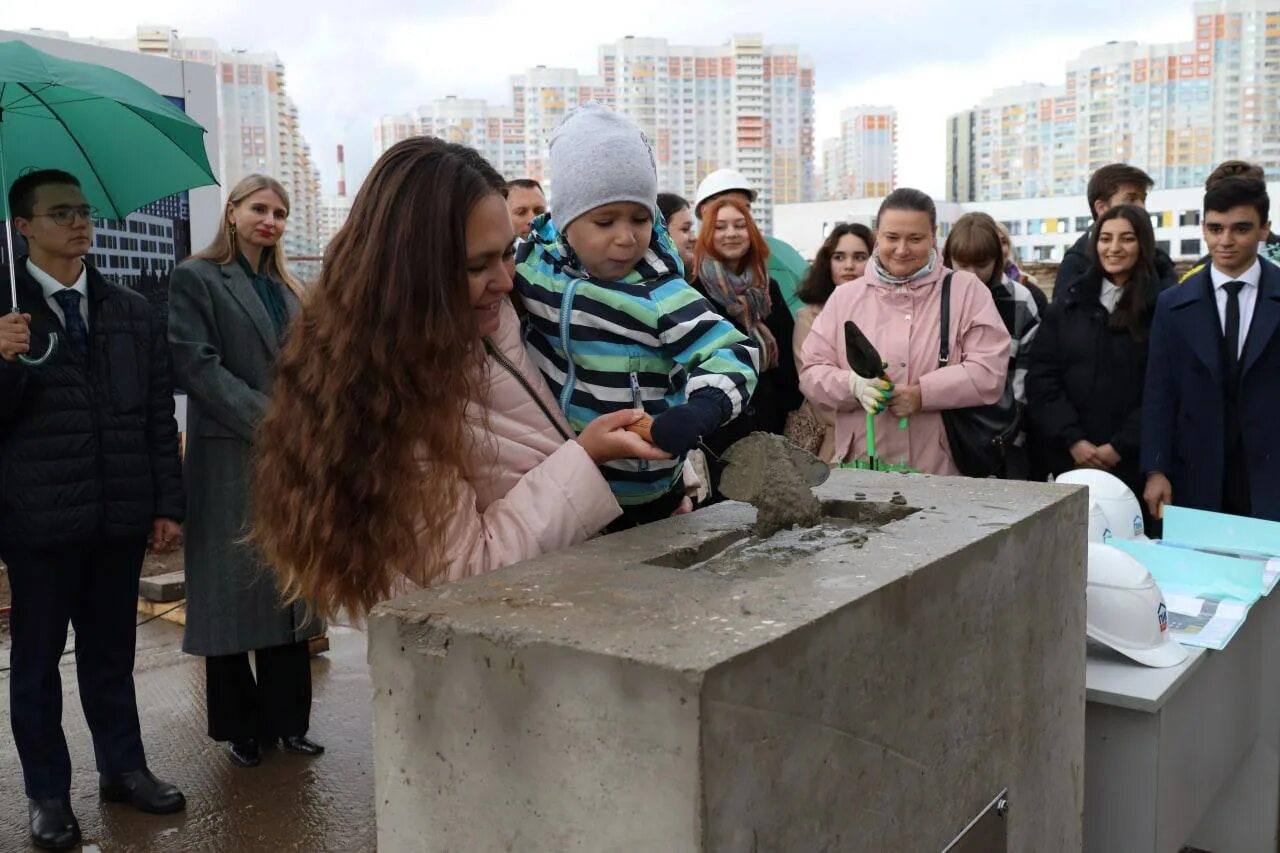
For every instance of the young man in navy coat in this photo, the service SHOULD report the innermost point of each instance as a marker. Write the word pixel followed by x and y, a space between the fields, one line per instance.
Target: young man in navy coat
pixel 89 479
pixel 1212 398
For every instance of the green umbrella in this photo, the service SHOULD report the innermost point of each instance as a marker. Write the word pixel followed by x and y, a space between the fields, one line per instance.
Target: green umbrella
pixel 127 144
pixel 788 269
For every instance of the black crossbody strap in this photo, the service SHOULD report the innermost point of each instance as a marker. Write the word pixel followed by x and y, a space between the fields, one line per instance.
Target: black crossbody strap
pixel 944 351
pixel 506 365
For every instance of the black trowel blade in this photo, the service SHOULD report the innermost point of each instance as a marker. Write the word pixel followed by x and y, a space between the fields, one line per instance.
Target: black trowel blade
pixel 864 358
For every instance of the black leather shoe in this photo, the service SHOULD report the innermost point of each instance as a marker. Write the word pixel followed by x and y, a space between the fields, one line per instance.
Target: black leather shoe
pixel 300 745
pixel 245 753
pixel 143 791
pixel 53 825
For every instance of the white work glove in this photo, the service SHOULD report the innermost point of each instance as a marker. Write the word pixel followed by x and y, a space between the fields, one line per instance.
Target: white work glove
pixel 872 394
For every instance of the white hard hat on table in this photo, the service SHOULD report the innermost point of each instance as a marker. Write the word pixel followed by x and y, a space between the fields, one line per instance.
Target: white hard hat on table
pixel 722 181
pixel 1114 511
pixel 1126 609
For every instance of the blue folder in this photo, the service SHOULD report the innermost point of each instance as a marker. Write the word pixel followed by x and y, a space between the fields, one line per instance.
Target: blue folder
pixel 1181 571
pixel 1220 532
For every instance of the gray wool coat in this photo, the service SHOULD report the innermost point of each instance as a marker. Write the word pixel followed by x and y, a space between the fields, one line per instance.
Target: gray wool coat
pixel 224 351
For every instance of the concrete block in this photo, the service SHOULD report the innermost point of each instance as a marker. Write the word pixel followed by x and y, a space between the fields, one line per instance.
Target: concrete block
pixel 870 689
pixel 162 588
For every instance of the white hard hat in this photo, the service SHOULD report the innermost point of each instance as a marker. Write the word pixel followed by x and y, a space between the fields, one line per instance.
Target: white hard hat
pixel 721 181
pixel 1126 609
pixel 1114 511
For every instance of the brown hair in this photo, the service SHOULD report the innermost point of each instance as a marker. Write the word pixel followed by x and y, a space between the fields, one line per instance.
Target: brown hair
pixel 1131 309
pixel 522 184
pixel 366 441
pixel 223 249
pixel 757 257
pixel 1108 180
pixel 1235 169
pixel 818 285
pixel 974 240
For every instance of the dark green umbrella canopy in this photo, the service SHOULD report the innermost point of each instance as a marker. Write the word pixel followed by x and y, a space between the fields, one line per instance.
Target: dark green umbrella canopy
pixel 127 144
pixel 788 268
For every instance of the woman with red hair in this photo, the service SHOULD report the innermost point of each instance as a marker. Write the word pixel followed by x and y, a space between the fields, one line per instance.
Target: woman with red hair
pixel 731 268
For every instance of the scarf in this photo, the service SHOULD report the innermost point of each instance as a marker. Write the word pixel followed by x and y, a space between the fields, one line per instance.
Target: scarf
pixel 745 300
pixel 268 291
pixel 884 275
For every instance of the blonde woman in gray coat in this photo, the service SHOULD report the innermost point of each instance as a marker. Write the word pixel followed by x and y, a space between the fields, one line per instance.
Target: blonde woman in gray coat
pixel 229 310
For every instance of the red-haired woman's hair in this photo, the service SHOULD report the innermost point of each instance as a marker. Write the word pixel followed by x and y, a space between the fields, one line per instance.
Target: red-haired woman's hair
pixel 360 456
pixel 757 257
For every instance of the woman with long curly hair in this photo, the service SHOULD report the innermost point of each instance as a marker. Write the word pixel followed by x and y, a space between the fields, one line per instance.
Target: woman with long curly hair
pixel 410 441
pixel 230 309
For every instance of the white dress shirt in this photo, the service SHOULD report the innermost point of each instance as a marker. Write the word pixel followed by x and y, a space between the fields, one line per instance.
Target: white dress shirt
pixel 1109 296
pixel 52 286
pixel 1252 278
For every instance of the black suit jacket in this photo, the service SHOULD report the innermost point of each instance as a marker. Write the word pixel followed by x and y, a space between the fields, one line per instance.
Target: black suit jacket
pixel 88 445
pixel 1182 419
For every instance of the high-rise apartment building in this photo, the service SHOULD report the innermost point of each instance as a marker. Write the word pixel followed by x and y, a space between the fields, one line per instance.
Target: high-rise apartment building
pixel 743 105
pixel 468 121
pixel 863 161
pixel 540 98
pixel 258 124
pixel 1174 110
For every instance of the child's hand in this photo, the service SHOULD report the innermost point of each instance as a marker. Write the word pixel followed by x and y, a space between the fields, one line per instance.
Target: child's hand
pixel 679 429
pixel 607 438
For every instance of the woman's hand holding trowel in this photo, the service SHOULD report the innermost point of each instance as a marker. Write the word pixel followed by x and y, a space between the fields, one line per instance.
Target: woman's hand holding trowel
pixel 872 394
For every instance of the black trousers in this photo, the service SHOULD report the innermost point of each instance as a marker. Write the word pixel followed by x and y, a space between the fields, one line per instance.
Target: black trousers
pixel 94 588
pixel 277 704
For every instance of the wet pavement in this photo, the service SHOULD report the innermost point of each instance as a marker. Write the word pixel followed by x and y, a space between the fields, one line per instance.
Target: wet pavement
pixel 287 803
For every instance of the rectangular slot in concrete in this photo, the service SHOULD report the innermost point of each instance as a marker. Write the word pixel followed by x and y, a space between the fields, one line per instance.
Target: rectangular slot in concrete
pixel 843 523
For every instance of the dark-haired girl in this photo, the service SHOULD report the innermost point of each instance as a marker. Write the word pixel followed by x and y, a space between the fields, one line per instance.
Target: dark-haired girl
pixel 841 259
pixel 1084 387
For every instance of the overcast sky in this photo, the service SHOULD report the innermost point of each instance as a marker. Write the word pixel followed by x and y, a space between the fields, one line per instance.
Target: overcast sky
pixel 349 63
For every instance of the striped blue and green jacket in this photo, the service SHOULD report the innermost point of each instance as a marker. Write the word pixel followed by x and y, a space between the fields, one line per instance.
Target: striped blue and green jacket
pixel 647 341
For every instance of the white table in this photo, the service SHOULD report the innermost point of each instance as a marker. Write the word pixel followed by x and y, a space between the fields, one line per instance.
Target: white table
pixel 1187 754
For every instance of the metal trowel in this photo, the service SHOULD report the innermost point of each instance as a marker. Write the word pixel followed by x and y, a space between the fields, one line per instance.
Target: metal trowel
pixel 864 359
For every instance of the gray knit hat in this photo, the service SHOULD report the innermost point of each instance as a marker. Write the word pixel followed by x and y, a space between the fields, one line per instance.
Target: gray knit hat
pixel 599 157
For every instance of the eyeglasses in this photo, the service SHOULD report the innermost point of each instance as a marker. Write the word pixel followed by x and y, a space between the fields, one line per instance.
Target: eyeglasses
pixel 67 216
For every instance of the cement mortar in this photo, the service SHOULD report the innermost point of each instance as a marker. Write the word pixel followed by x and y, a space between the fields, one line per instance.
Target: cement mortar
pixel 633 693
pixel 777 478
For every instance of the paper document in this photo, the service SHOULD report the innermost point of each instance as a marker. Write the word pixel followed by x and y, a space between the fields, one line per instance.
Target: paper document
pixel 1193 573
pixel 1204 622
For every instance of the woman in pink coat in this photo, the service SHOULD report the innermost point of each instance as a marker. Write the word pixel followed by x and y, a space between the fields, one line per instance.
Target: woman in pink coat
pixel 409 441
pixel 897 305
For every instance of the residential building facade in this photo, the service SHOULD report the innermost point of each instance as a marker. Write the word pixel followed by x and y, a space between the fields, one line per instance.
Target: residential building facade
pixel 258 124
pixel 1174 110
pixel 863 161
pixel 1042 228
pixel 744 105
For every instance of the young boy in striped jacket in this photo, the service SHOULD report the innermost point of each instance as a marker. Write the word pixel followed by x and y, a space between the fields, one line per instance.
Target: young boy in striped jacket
pixel 613 323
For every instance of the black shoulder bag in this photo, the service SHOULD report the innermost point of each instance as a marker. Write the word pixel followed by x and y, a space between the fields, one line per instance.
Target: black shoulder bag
pixel 978 435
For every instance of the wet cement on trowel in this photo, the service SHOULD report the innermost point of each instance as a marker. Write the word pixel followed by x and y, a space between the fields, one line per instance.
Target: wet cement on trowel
pixel 775 477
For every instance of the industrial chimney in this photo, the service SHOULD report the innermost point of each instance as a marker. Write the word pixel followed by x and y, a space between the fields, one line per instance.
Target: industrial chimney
pixel 342 174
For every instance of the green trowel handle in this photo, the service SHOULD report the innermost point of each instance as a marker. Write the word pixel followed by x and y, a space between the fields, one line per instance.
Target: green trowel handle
pixel 871 436
pixel 902 423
